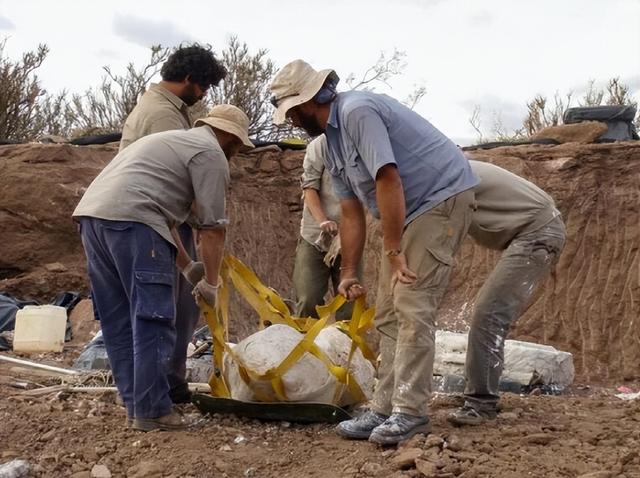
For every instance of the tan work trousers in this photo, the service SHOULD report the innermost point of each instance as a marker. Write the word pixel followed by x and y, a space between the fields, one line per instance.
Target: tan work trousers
pixel 406 314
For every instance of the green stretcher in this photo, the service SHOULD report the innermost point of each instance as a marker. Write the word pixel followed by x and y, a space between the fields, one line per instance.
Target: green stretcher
pixel 277 411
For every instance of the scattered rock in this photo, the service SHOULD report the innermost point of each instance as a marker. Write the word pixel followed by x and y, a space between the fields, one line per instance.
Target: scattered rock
pixel 146 469
pixel 454 443
pixel 628 456
pixel 225 448
pixel 597 474
pixel 538 439
pixel 48 436
pixel 427 468
pixel 371 469
pixel 56 267
pixel 454 468
pixel 100 471
pixel 101 450
pixel 416 441
pixel 250 472
pixel 407 458
pixel 81 474
pixel 433 441
pixel 508 416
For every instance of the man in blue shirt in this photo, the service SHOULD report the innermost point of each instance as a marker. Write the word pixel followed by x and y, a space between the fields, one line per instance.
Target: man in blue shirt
pixel 384 156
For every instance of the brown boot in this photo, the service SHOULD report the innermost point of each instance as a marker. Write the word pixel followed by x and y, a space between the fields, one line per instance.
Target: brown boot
pixel 172 421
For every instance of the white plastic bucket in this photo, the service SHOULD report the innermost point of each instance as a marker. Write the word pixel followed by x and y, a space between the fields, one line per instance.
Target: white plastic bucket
pixel 40 328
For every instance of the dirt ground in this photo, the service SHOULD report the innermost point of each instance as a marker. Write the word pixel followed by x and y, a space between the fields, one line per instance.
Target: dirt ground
pixel 588 433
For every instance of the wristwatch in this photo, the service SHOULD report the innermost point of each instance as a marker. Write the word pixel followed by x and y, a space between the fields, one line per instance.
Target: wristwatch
pixel 392 252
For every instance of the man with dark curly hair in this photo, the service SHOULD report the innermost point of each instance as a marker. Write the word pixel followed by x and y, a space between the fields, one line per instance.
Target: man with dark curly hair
pixel 186 76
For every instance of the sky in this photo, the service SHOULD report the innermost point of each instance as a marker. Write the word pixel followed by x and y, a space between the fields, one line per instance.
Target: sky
pixel 491 54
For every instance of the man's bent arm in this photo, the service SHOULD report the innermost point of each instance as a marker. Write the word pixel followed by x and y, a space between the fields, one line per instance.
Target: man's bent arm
pixel 182 257
pixel 312 201
pixel 212 251
pixel 352 235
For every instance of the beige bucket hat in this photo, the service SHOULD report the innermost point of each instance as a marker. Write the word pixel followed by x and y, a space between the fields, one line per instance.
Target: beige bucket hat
pixel 296 83
pixel 231 119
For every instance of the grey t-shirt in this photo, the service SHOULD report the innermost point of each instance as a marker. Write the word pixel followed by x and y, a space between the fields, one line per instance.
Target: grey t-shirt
pixel 155 180
pixel 316 176
pixel 507 206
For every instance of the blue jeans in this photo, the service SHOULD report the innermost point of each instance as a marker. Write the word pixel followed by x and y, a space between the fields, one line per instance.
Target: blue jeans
pixel 132 273
pixel 187 316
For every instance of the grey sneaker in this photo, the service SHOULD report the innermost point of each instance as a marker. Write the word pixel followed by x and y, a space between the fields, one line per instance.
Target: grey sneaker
pixel 468 415
pixel 360 428
pixel 170 422
pixel 398 428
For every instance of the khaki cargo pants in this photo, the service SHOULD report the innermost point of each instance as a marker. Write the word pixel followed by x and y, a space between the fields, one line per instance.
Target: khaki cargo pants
pixel 406 314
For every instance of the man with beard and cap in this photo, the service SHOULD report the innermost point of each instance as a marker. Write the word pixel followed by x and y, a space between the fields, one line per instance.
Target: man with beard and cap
pixel 419 184
pixel 125 217
pixel 515 216
pixel 186 76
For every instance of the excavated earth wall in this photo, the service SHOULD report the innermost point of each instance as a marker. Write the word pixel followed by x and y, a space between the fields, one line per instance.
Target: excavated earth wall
pixel 589 306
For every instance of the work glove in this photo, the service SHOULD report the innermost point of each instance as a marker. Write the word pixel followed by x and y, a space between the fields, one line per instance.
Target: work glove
pixel 330 227
pixel 193 272
pixel 207 292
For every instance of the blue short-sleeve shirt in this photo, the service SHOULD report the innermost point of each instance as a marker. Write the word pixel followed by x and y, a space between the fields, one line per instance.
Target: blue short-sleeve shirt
pixel 367 131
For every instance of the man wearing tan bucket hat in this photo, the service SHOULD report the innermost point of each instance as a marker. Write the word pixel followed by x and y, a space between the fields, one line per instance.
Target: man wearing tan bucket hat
pixel 418 183
pixel 126 216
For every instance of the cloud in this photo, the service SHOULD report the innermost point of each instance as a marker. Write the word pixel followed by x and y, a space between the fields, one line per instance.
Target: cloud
pixel 633 82
pixel 108 54
pixel 480 18
pixel 6 24
pixel 146 33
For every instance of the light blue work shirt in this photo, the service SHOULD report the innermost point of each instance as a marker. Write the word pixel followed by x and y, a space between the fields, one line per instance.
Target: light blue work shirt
pixel 366 131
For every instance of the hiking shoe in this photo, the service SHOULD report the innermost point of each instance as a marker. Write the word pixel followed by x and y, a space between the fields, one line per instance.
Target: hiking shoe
pixel 172 421
pixel 360 428
pixel 468 415
pixel 398 428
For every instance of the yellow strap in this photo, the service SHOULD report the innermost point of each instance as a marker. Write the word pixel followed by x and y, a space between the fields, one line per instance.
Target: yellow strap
pixel 272 309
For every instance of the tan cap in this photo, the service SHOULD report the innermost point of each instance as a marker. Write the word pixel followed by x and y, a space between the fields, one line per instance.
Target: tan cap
pixel 231 119
pixel 296 83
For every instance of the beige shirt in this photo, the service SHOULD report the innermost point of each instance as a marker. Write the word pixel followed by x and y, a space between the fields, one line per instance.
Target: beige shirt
pixel 155 180
pixel 316 176
pixel 507 206
pixel 158 110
